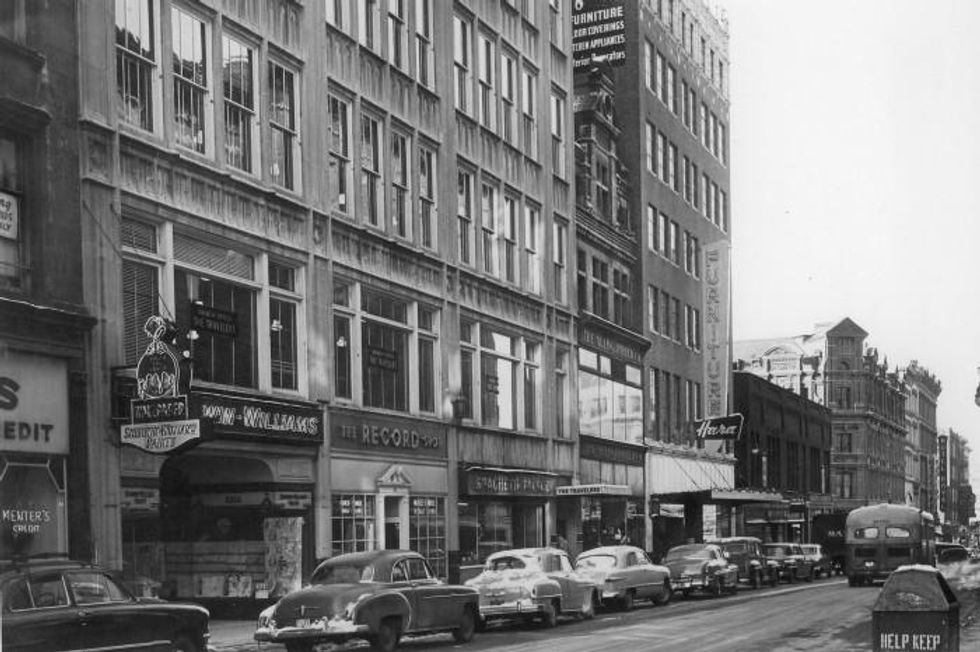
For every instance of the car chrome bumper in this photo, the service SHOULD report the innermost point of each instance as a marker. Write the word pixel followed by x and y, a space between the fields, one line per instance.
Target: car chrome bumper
pixel 521 607
pixel 688 583
pixel 284 634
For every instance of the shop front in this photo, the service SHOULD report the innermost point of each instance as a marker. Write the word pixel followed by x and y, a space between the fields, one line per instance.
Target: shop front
pixel 389 485
pixel 218 507
pixel 501 509
pixel 611 496
pixel 34 449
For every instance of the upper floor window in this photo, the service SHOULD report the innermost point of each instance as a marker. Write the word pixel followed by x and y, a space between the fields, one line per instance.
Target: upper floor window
pixel 285 126
pixel 560 244
pixel 13 20
pixel 338 14
pixel 12 232
pixel 558 133
pixel 488 94
pixel 529 101
pixel 503 368
pixel 556 26
pixel 372 191
pixel 508 240
pixel 135 62
pixel 463 88
pixel 192 105
pixel 401 203
pixel 397 38
pixel 241 126
pixel 424 53
pixel 508 97
pixel 488 213
pixel 532 258
pixel 369 24
pixel 464 213
pixel 610 398
pixel 283 337
pixel 427 198
pixel 340 154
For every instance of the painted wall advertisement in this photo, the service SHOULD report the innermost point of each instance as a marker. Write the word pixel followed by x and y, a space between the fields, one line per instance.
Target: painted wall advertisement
pixel 598 32
pixel 716 331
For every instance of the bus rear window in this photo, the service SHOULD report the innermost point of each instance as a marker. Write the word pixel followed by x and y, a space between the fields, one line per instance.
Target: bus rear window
pixel 897 533
pixel 866 533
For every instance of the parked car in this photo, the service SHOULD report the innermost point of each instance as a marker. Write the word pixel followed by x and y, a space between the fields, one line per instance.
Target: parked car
pixel 701 567
pixel 789 561
pixel 379 596
pixel 625 574
pixel 746 554
pixel 533 583
pixel 54 605
pixel 822 564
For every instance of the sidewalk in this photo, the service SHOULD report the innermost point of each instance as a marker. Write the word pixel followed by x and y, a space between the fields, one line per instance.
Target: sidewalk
pixel 234 634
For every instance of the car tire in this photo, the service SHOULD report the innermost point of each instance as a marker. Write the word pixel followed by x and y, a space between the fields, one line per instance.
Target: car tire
pixel 184 644
pixel 629 600
pixel 467 626
pixel 549 614
pixel 386 639
pixel 662 599
pixel 589 605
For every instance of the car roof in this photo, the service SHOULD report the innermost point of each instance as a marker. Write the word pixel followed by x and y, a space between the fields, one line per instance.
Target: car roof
pixel 525 552
pixel 12 568
pixel 610 550
pixel 724 540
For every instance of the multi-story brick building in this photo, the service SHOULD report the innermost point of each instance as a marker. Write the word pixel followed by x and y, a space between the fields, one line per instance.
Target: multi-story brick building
pixel 359 219
pixel 957 501
pixel 834 367
pixel 922 394
pixel 785 448
pixel 44 370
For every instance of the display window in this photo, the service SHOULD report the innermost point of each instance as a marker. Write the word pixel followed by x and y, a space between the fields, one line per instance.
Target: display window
pixel 353 519
pixel 486 527
pixel 33 518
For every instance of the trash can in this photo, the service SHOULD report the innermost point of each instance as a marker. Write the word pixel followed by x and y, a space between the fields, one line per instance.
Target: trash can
pixel 916 610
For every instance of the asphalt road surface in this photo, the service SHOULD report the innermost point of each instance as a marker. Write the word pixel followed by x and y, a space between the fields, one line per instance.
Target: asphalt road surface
pixel 824 615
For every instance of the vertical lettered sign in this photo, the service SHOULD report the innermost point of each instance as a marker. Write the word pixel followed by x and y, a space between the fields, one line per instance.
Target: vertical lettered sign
pixel 716 355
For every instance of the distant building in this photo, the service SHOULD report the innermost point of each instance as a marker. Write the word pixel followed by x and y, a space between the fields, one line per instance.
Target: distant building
pixel 785 449
pixel 834 367
pixel 922 391
pixel 957 500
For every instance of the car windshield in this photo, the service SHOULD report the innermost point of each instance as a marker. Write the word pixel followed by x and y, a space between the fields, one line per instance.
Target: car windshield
pixel 779 551
pixel 600 562
pixel 511 562
pixel 688 552
pixel 343 574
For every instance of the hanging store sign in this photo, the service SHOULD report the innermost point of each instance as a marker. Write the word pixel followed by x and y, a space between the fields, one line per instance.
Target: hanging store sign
pixel 253 417
pixel 594 490
pixel 595 448
pixel 598 33
pixel 722 428
pixel 717 362
pixel 33 404
pixel 9 216
pixel 163 437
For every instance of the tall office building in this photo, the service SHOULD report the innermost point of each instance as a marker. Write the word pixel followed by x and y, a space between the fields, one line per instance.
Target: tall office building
pixel 922 391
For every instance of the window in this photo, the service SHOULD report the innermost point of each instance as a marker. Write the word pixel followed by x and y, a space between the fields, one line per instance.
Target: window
pixel 503 360
pixel 556 28
pixel 508 96
pixel 427 197
pixel 582 280
pixel 610 398
pixel 651 158
pixel 369 24
pixel 284 126
pixel 397 38
pixel 720 142
pixel 603 186
pixel 675 243
pixel 371 190
pixel 401 216
pixel 13 21
pixel 651 228
pixel 239 95
pixel 677 320
pixel 653 407
pixel 13 249
pixel 665 321
pixel 688 181
pixel 713 135
pixel 427 531
pixel 488 216
pixel 558 134
pixel 664 233
pixel 508 249
pixel 844 489
pixel 464 213
pixel 532 359
pixel 705 132
pixel 723 209
pixel 384 352
pixel 426 379
pixel 338 14
pixel 424 52
pixel 561 245
pixel 621 298
pixel 140 302
pixel 600 288
pixel 283 327
pixel 190 68
pixel 488 97
pixel 352 519
pixel 671 82
pixel 340 155
pixel 844 443
pixel 135 62
pixel 498 404
pixel 461 58
pixel 673 179
pixel 530 128
pixel 532 257
pixel 653 308
pixel 561 393
pixel 686 103
pixel 648 65
pixel 658 84
pixel 662 162
pixel 343 373
pixel 94 588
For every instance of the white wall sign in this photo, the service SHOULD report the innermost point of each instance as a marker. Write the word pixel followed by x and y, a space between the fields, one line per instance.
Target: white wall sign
pixel 9 216
pixel 163 437
pixel 33 404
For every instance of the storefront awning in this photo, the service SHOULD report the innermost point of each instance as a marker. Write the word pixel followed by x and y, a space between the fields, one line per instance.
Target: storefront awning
pixel 594 490
pixel 721 496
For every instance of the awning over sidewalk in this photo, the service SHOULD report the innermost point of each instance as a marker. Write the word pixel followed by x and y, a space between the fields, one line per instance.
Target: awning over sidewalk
pixel 721 496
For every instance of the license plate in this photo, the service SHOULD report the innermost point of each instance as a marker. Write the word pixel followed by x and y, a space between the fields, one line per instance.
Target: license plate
pixel 303 622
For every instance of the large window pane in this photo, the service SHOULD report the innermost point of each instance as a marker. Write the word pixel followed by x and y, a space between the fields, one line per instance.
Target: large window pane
pixel 385 366
pixel 427 401
pixel 498 399
pixel 283 343
pixel 342 365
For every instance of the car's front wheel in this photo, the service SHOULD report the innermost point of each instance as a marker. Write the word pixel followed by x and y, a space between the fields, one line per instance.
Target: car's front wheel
pixel 629 600
pixel 663 597
pixel 589 603
pixel 467 626
pixel 386 639
pixel 549 614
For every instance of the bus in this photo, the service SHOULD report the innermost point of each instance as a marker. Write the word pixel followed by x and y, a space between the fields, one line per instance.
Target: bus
pixel 880 538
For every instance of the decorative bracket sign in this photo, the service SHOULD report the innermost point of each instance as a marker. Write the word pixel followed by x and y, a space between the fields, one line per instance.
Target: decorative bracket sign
pixel 720 428
pixel 159 422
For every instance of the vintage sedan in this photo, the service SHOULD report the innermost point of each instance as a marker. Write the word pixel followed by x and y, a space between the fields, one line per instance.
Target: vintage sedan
pixel 625 574
pixel 378 595
pixel 701 567
pixel 533 583
pixel 56 605
pixel 820 559
pixel 789 561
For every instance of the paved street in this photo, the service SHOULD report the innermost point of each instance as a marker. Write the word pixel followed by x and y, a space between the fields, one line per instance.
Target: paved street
pixel 825 615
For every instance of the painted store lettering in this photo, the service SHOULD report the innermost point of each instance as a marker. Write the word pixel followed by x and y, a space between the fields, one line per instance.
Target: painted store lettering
pixel 905 641
pixel 26 431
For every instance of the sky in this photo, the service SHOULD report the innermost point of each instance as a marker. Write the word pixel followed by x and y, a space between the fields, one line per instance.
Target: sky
pixel 855 180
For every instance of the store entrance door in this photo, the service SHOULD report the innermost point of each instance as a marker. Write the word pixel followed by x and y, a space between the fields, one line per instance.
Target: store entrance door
pixel 393 524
